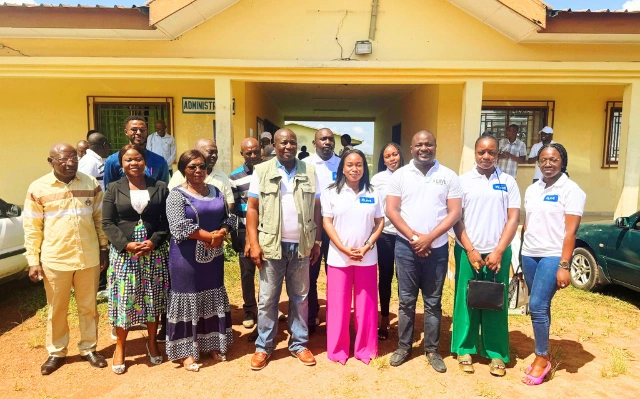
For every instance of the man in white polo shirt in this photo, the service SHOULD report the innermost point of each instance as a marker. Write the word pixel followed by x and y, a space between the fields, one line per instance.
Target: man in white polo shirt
pixel 326 163
pixel 546 137
pixel 424 201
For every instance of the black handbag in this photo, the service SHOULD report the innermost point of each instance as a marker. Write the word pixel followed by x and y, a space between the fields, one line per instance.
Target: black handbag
pixel 487 295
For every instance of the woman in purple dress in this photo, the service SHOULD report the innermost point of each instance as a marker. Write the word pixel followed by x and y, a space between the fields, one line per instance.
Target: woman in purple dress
pixel 198 315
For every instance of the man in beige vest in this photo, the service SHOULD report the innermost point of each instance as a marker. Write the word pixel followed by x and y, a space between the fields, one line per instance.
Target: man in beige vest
pixel 284 233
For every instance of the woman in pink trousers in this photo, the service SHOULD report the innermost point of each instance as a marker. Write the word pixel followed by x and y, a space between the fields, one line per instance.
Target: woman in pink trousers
pixel 353 219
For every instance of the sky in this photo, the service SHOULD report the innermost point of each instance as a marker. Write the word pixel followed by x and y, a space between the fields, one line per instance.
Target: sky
pixel 557 4
pixel 357 130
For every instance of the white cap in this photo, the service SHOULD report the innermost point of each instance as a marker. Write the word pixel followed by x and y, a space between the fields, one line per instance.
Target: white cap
pixel 265 135
pixel 547 129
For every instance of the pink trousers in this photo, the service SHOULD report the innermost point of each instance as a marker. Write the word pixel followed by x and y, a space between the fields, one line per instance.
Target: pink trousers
pixel 344 284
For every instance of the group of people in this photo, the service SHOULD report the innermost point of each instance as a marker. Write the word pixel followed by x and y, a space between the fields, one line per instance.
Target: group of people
pixel 162 245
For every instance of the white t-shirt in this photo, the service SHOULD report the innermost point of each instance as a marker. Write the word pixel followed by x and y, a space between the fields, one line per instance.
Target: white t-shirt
pixel 290 229
pixel 353 218
pixel 546 209
pixel 325 170
pixel 92 164
pixel 537 174
pixel 164 146
pixel 484 205
pixel 381 181
pixel 423 198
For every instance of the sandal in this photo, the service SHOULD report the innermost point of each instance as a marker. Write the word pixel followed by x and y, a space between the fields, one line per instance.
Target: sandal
pixel 465 363
pixel 383 334
pixel 497 367
pixel 531 380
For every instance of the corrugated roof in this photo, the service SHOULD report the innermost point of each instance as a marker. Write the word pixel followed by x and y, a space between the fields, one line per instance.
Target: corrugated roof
pixel 552 13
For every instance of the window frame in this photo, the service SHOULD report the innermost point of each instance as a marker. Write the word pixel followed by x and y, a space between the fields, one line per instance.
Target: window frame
pixel 548 105
pixel 611 108
pixel 92 101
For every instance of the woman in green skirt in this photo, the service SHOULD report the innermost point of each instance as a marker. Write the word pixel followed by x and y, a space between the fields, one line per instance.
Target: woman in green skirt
pixel 491 211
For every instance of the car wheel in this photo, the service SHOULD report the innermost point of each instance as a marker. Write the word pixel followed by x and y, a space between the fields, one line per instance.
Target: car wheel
pixel 584 269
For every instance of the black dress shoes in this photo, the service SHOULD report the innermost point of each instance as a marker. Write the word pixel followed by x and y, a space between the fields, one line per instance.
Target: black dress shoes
pixel 52 364
pixel 95 359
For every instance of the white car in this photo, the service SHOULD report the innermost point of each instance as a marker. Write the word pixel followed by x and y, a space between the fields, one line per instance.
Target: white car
pixel 13 264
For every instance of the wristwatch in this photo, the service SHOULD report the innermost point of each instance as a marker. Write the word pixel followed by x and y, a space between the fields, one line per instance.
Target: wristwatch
pixel 565 265
pixel 318 242
pixel 369 244
pixel 414 237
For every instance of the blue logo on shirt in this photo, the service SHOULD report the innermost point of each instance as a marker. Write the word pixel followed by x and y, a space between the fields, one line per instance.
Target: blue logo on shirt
pixel 367 200
pixel 502 187
pixel 551 198
pixel 334 175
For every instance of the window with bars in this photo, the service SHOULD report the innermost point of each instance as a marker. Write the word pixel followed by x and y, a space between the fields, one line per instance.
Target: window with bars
pixel 265 125
pixel 529 116
pixel 109 114
pixel 612 134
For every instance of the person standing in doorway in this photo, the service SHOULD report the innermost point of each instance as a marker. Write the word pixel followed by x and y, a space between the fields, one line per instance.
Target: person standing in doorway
pixel 512 152
pixel 546 137
pixel 240 179
pixel 136 130
pixel 162 143
pixel 303 153
pixel 424 201
pixel 82 147
pixel 326 166
pixel 345 140
pixel 267 147
pixel 283 212
pixel 390 160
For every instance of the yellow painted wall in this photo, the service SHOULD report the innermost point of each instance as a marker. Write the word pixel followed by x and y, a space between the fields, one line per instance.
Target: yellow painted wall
pixel 37 113
pixel 407 30
pixel 579 126
pixel 257 105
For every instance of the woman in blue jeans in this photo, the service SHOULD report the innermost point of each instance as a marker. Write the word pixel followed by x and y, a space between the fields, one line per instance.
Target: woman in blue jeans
pixel 554 206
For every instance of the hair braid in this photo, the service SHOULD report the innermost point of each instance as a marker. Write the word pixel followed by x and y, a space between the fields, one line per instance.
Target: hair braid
pixel 487 136
pixel 563 155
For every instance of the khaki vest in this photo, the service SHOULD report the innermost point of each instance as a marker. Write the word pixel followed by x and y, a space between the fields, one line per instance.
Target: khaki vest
pixel 270 208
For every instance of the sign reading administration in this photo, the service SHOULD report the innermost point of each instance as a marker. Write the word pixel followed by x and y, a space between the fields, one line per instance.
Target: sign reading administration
pixel 198 105
pixel 202 105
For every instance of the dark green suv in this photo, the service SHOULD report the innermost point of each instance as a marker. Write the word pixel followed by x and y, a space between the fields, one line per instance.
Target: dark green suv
pixel 607 253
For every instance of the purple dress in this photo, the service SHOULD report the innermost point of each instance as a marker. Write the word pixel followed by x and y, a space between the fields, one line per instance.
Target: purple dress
pixel 198 314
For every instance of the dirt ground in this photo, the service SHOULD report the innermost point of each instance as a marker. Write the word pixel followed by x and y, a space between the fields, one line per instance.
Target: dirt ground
pixel 594 340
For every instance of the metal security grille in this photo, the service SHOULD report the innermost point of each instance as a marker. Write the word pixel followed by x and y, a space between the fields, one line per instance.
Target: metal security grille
pixel 612 133
pixel 109 119
pixel 530 120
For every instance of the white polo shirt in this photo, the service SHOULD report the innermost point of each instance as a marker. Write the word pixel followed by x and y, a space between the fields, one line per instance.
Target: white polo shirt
pixel 381 181
pixel 92 164
pixel 537 174
pixel 423 198
pixel 484 205
pixel 353 218
pixel 546 209
pixel 325 170
pixel 290 229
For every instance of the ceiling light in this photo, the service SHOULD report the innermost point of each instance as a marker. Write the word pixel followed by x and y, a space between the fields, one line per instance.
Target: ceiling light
pixel 330 110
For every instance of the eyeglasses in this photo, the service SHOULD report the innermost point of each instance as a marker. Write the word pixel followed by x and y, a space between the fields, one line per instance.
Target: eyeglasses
pixel 67 160
pixel 552 161
pixel 141 129
pixel 194 167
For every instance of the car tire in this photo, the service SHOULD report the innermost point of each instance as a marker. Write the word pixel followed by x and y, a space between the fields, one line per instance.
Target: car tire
pixel 584 270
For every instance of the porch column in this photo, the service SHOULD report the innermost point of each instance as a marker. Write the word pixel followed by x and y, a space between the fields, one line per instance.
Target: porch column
pixel 628 160
pixel 471 114
pixel 224 125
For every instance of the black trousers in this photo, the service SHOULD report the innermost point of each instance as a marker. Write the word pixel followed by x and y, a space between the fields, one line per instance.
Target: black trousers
pixel 386 258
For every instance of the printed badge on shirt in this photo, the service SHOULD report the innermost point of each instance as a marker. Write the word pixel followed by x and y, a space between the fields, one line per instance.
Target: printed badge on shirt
pixel 500 187
pixel 551 198
pixel 367 200
pixel 334 176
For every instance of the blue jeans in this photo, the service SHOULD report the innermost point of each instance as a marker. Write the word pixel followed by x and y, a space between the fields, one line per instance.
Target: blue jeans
pixel 540 276
pixel 296 272
pixel 427 274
